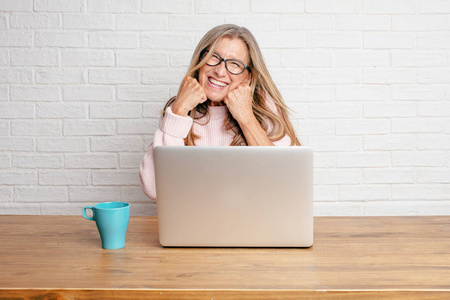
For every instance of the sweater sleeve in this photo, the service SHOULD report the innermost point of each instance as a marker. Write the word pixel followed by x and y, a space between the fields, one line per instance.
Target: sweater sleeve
pixel 172 131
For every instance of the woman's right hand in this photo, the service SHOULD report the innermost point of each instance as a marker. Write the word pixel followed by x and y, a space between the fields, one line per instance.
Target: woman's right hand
pixel 190 96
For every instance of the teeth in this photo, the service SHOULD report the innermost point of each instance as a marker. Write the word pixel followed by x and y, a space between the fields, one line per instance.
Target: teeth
pixel 213 81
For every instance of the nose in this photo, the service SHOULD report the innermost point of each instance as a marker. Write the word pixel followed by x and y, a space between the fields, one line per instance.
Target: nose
pixel 220 69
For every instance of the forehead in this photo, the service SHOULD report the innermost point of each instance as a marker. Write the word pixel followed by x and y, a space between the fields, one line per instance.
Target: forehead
pixel 233 48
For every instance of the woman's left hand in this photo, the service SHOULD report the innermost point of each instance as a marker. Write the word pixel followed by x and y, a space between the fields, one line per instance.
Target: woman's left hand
pixel 239 102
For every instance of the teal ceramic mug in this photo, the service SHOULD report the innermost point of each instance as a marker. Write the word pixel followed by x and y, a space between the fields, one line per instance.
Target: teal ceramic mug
pixel 112 222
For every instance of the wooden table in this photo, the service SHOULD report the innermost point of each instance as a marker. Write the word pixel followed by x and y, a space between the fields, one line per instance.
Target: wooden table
pixel 60 257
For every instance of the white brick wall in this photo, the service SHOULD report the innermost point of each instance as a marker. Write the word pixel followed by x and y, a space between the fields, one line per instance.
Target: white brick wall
pixel 82 83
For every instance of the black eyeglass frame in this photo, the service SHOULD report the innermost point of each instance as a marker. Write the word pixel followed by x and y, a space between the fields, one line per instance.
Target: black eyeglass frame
pixel 225 61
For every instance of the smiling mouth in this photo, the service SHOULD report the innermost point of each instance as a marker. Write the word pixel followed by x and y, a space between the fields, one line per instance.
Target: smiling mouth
pixel 217 83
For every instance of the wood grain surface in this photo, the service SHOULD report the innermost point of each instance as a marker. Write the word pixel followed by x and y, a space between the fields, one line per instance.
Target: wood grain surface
pixel 60 257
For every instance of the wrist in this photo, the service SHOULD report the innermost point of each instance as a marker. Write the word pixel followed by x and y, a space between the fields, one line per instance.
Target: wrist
pixel 179 110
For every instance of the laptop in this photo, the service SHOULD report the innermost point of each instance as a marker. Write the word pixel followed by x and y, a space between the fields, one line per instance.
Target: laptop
pixel 211 196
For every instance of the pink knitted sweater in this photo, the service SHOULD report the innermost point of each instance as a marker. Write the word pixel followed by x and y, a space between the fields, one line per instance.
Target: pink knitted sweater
pixel 174 128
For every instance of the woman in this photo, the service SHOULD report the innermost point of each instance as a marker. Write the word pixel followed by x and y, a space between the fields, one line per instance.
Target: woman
pixel 226 99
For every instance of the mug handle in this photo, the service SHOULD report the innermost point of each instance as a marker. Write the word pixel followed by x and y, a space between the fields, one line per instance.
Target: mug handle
pixel 84 213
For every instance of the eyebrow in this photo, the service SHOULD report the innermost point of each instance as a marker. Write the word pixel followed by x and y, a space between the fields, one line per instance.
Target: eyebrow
pixel 215 52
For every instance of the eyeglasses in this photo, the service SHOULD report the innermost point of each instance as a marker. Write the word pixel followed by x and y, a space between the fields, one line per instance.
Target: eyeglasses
pixel 233 66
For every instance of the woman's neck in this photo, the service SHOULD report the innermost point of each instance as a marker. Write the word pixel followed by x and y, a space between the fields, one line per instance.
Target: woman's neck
pixel 215 103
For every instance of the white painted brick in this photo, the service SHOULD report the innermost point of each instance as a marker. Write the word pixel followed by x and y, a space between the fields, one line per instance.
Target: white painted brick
pixel 34 57
pixel 141 59
pixel 148 140
pixel 326 192
pixel 116 144
pixel 114 76
pixel 35 93
pixel 115 178
pixel 362 23
pixel 36 127
pixel 89 93
pixel 309 94
pixel 137 126
pixel 18 178
pixel 4 93
pixel 362 93
pixel 363 159
pixel 16 111
pixel 163 76
pixel 37 161
pixel 420 92
pixel 418 23
pixel 298 58
pixel 433 40
pixel 296 110
pixel 334 110
pixel 361 127
pixel 180 58
pixel 143 209
pixel 115 111
pixel 61 209
pixel 333 6
pixel 90 161
pixel 5 194
pixel 34 21
pixel 15 75
pixel 335 143
pixel 88 58
pixel 433 175
pixel 4 58
pixel 315 127
pixel 389 75
pixel 390 142
pixel 88 127
pixel 434 109
pixel 417 125
pixel 4 128
pixel 361 58
pixel 268 22
pixel 334 76
pixel 428 208
pixel 387 7
pixel 20 209
pixel 417 59
pixel 40 194
pixel 307 22
pixel 433 142
pixel 60 75
pixel 154 110
pixel 418 159
pixel 63 177
pixel 64 39
pixel 168 6
pixel 282 39
pixel 194 22
pixel 420 191
pixel 389 40
pixel 89 21
pixel 4 21
pixel 221 7
pixel 389 175
pixel 113 40
pixel 130 160
pixel 324 160
pixel 5 161
pixel 61 111
pixel 434 6
pixel 113 6
pixel 143 22
pixel 389 109
pixel 288 76
pixel 387 208
pixel 133 194
pixel 16 144
pixel 335 40
pixel 16 5
pixel 93 194
pixel 168 41
pixel 364 192
pixel 143 93
pixel 434 75
pixel 62 144
pixel 339 208
pixel 59 5
pixel 16 38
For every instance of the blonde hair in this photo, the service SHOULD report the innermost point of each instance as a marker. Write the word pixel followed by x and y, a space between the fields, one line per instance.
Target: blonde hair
pixel 262 87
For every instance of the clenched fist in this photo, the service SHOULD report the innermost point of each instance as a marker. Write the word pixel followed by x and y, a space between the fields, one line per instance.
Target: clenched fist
pixel 190 96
